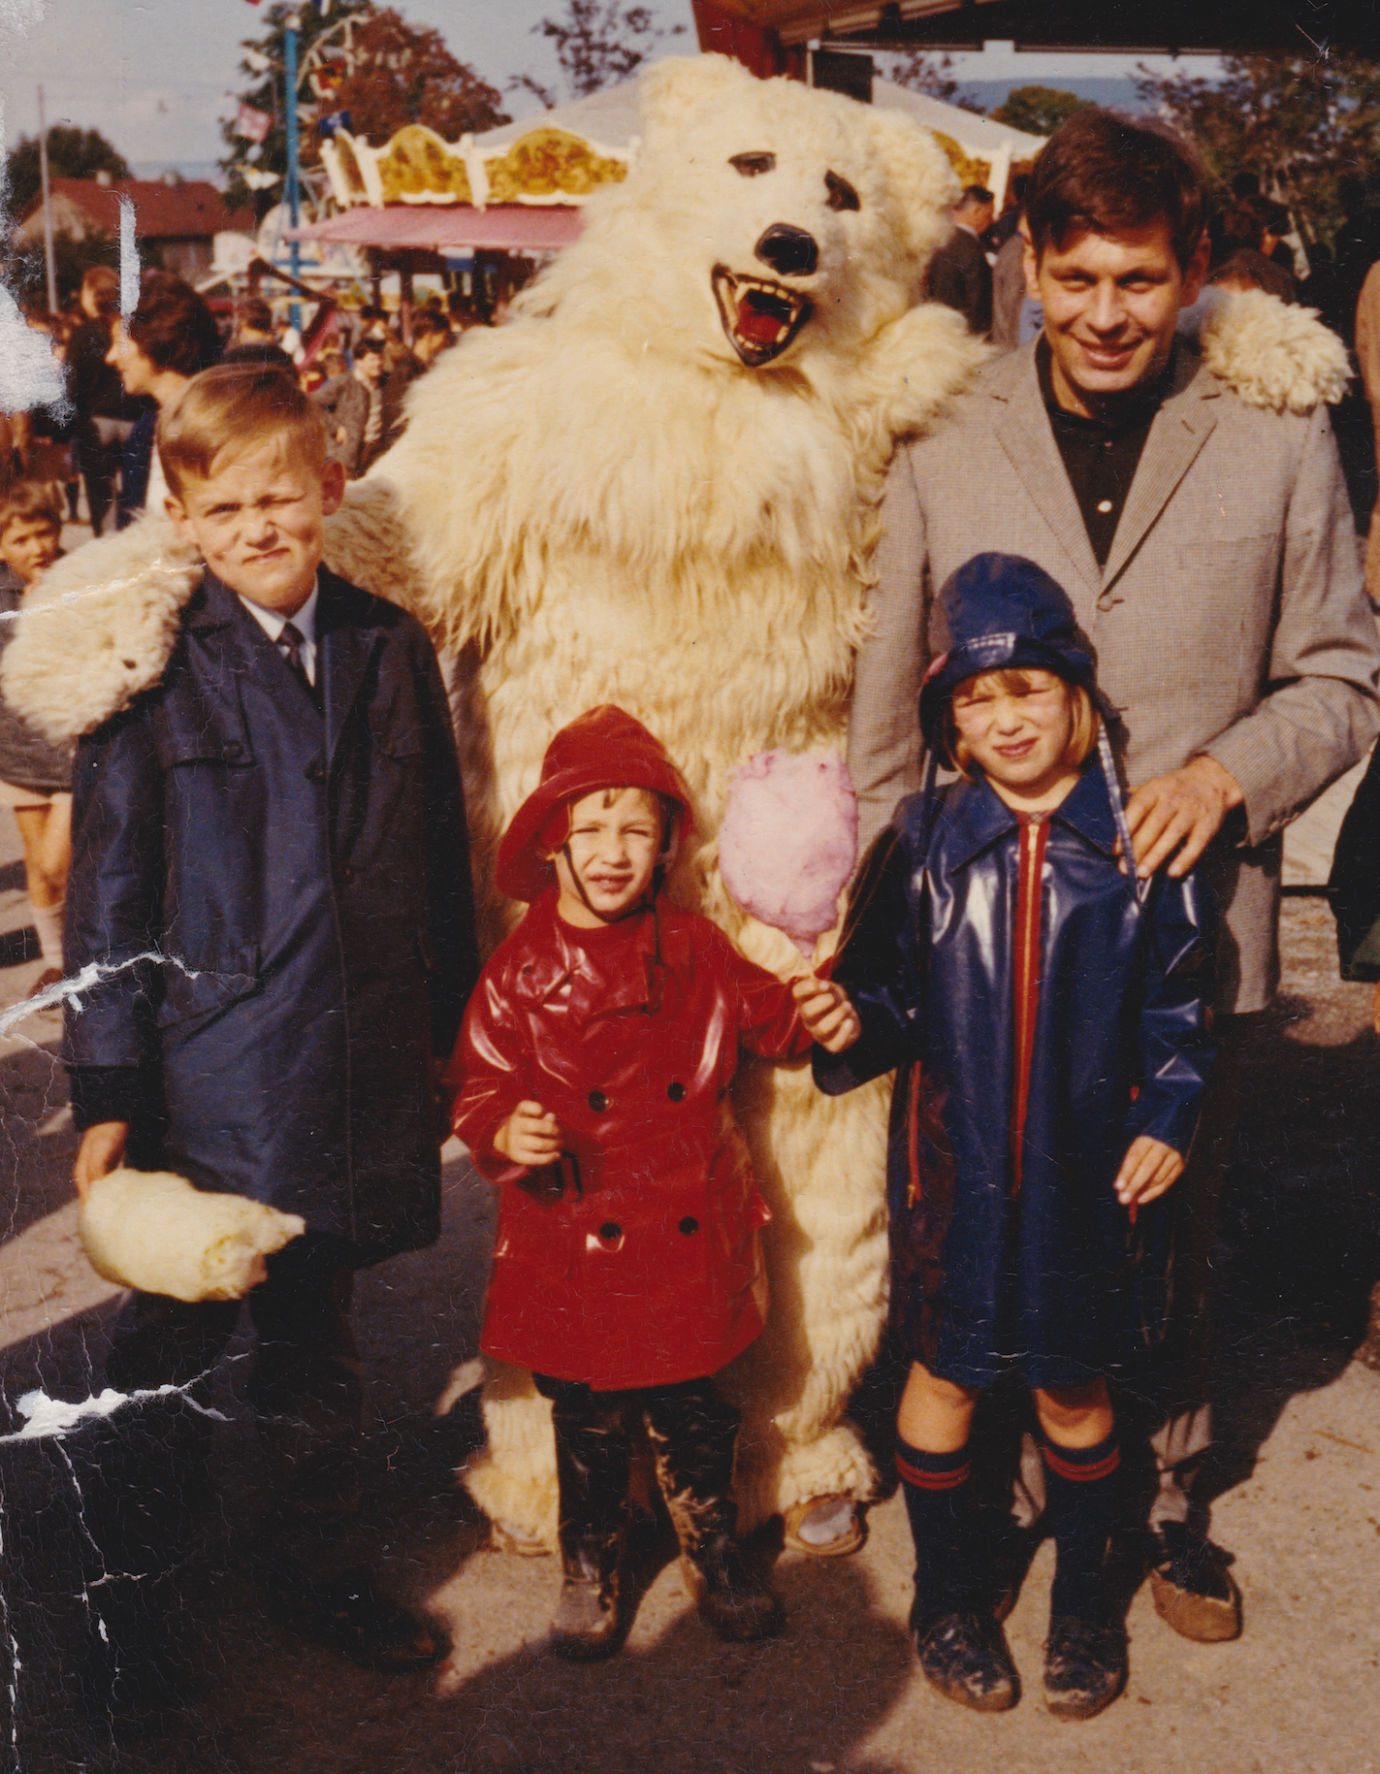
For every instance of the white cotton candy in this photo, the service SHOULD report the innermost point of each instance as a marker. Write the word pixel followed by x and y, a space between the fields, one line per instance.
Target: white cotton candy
pixel 789 840
pixel 154 1231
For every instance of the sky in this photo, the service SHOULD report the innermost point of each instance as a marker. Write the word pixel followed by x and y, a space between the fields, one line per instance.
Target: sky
pixel 154 76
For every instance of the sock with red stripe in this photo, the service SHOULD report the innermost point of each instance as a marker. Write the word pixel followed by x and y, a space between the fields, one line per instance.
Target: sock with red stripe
pixel 1080 1504
pixel 937 1490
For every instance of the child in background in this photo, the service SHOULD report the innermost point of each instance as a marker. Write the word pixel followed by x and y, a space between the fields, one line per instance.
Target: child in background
pixel 35 775
pixel 592 1077
pixel 1045 1011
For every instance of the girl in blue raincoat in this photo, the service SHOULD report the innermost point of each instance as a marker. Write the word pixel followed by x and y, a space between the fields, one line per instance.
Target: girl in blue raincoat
pixel 1044 1010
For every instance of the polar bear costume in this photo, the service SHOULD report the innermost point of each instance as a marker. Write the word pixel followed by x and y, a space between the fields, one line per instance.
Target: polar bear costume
pixel 658 485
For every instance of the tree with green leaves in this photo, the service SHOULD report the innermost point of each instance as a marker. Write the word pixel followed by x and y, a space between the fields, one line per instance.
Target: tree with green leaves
pixel 1303 126
pixel 72 154
pixel 597 43
pixel 262 66
pixel 1038 110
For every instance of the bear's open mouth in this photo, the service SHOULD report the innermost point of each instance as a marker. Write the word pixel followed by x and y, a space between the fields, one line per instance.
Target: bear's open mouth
pixel 760 317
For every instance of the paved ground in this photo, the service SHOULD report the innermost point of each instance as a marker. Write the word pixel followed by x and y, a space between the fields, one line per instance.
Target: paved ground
pixel 1299 1397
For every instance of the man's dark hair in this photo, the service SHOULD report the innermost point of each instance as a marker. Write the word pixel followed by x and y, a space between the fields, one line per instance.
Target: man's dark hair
pixel 1100 173
pixel 976 194
pixel 173 326
pixel 429 320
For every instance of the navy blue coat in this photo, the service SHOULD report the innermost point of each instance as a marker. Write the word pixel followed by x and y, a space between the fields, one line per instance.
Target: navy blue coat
pixel 302 884
pixel 1060 1277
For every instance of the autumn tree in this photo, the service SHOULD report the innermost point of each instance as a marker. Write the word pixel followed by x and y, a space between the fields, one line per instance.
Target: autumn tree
pixel 923 72
pixel 401 73
pixel 1038 110
pixel 72 154
pixel 597 43
pixel 1302 125
pixel 384 71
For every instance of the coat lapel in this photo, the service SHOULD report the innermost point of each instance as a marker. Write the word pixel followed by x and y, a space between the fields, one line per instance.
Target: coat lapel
pixel 346 649
pixel 1182 426
pixel 227 636
pixel 1025 434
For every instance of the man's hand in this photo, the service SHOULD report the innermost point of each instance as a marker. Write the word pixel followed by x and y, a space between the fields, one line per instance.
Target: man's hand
pixel 529 1136
pixel 102 1150
pixel 826 1013
pixel 1147 1170
pixel 1180 814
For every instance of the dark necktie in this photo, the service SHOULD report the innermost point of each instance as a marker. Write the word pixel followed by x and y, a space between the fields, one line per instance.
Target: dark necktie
pixel 290 641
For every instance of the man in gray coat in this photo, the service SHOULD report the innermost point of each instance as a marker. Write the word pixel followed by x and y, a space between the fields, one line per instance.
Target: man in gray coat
pixel 1209 552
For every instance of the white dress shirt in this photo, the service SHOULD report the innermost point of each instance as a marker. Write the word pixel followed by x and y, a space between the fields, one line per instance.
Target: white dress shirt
pixel 273 623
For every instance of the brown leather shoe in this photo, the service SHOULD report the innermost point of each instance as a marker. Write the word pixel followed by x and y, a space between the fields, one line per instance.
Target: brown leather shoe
pixel 1192 1587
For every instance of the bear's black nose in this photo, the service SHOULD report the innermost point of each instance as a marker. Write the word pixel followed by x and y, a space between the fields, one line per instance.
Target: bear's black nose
pixel 790 252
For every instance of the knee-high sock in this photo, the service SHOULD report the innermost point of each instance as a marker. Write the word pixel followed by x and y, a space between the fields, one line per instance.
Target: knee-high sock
pixel 1081 1490
pixel 938 1493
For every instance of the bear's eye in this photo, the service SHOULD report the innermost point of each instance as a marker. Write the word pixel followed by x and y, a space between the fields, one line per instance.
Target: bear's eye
pixel 752 166
pixel 841 193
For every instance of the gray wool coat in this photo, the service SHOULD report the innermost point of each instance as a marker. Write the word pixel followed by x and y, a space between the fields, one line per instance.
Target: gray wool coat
pixel 1230 617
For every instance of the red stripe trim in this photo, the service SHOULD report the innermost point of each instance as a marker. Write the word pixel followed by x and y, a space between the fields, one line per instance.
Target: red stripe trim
pixel 1025 949
pixel 1081 1471
pixel 933 1481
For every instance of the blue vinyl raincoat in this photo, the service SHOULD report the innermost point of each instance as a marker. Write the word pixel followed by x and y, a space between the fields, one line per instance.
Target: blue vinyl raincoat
pixel 1002 1256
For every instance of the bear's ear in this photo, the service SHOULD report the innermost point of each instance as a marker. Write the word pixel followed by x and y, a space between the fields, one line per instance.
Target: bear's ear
pixel 673 90
pixel 923 185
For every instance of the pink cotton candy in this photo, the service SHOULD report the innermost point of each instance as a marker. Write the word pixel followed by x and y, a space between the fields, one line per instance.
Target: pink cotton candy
pixel 789 840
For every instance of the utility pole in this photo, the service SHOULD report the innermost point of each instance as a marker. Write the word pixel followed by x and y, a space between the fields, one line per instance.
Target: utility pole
pixel 47 207
pixel 290 28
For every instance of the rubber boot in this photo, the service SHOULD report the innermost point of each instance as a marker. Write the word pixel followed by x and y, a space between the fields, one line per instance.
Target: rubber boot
pixel 592 1459
pixel 693 1434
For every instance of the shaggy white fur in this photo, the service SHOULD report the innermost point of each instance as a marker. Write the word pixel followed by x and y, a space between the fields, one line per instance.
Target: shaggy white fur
pixel 617 498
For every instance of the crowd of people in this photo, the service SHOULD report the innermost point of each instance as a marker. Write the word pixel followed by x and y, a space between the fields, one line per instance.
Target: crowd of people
pixel 1120 639
pixel 123 368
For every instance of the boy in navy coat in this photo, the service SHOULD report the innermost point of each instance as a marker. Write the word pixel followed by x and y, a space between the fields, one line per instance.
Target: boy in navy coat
pixel 271 878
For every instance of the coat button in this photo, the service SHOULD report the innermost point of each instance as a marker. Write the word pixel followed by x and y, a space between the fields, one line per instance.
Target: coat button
pixel 689 1225
pixel 233 749
pixel 347 874
pixel 610 1231
pixel 316 771
pixel 598 1101
pixel 676 1091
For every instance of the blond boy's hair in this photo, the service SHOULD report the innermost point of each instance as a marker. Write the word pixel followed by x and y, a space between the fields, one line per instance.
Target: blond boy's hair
pixel 1017 681
pixel 27 500
pixel 236 407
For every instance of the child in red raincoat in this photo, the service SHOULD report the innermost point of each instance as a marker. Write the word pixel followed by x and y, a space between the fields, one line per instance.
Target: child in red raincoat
pixel 592 1077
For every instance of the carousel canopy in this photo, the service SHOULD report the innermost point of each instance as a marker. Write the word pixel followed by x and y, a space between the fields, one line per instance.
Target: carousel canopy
pixel 520 187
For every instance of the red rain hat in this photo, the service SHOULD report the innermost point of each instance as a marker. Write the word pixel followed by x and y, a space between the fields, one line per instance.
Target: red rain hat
pixel 602 748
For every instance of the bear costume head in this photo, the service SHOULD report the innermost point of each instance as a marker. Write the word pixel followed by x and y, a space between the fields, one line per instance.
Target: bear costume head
pixel 763 223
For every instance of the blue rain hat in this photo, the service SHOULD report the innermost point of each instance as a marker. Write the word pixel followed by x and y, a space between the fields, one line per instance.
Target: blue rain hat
pixel 1001 610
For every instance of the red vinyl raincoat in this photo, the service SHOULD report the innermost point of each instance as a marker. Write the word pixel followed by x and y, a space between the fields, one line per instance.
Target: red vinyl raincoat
pixel 639 1262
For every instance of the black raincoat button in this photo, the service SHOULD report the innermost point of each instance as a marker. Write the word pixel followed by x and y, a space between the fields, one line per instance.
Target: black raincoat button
pixel 676 1091
pixel 316 771
pixel 689 1225
pixel 347 874
pixel 610 1231
pixel 234 749
pixel 598 1101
